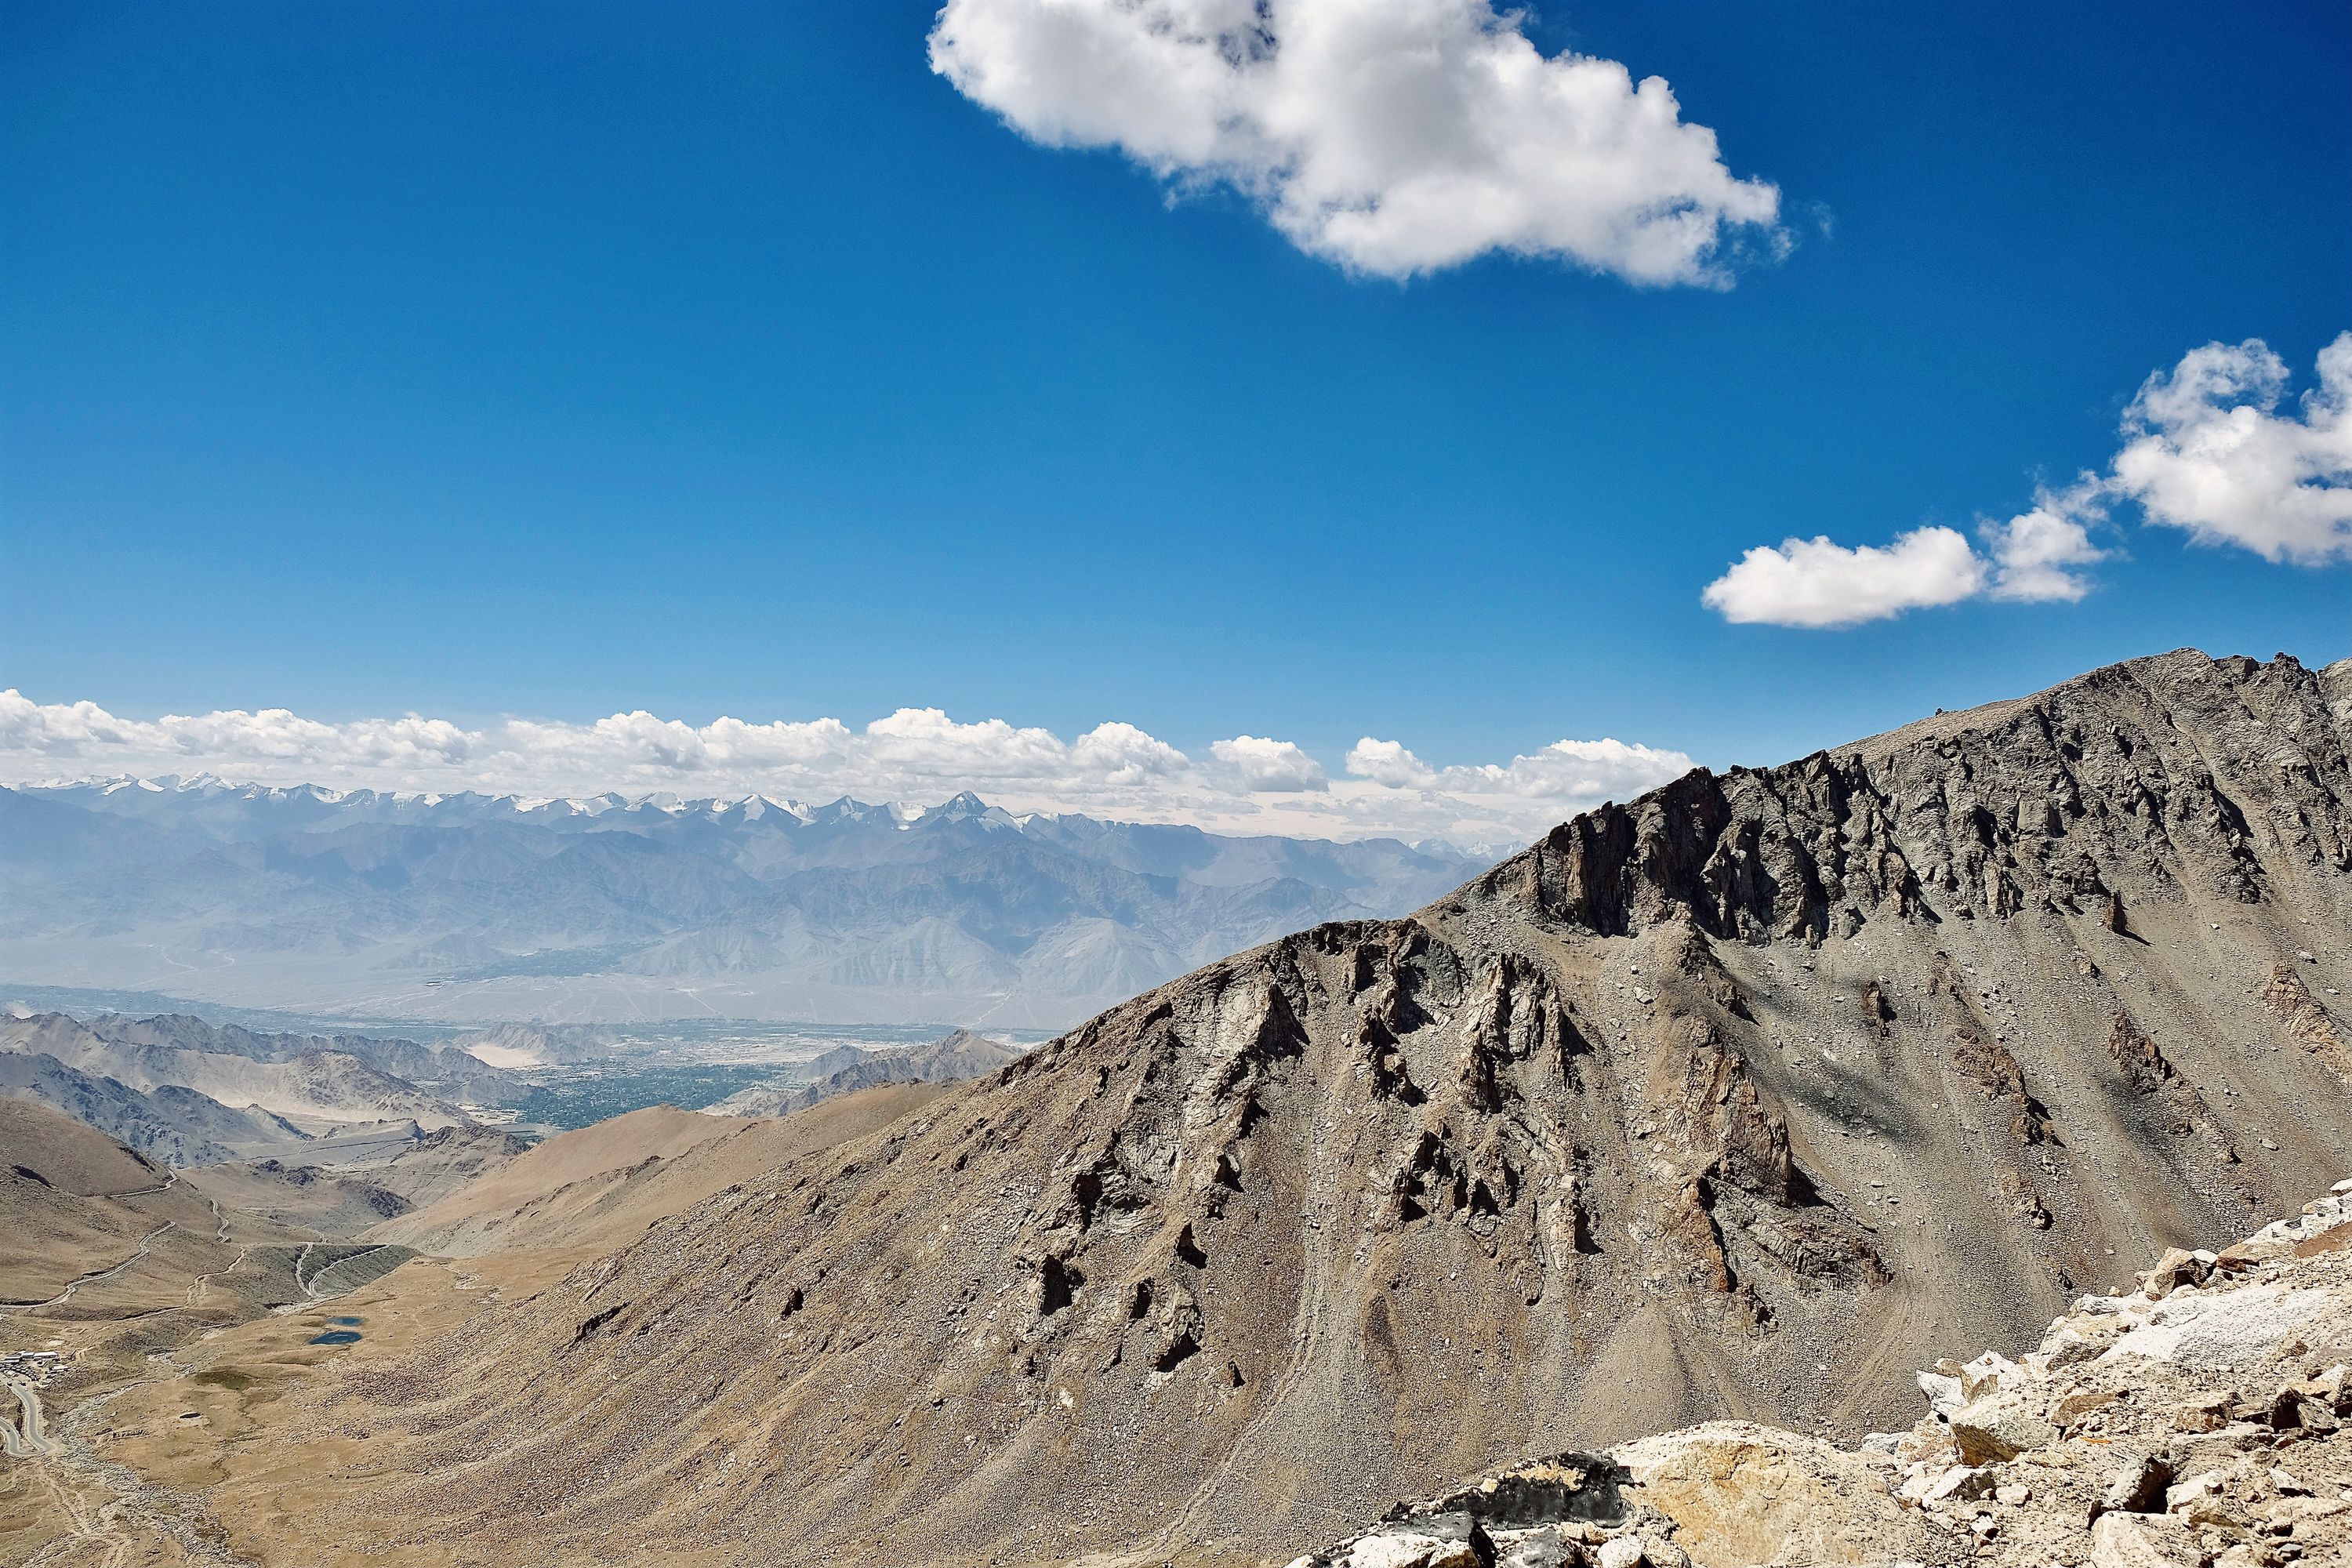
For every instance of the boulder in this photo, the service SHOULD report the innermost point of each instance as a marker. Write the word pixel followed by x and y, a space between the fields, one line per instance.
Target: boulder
pixel 1943 1392
pixel 2125 1540
pixel 1622 1552
pixel 2175 1268
pixel 2137 1488
pixel 1962 1483
pixel 1446 1542
pixel 2001 1425
pixel 2229 1328
pixel 1741 1494
pixel 1989 1374
pixel 2207 1412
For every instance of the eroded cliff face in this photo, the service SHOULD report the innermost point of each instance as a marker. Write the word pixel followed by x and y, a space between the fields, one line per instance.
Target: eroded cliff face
pixel 2168 779
pixel 1738 1101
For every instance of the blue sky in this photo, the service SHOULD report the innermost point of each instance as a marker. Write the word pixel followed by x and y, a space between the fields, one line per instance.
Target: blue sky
pixel 558 360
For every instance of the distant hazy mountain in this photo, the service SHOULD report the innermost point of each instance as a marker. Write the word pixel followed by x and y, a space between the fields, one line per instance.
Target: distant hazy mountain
pixel 186 1092
pixel 461 907
pixel 173 1126
pixel 174 1049
pixel 847 1069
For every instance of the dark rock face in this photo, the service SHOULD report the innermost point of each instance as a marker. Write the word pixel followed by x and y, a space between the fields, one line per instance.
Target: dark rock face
pixel 1741 1098
pixel 2155 771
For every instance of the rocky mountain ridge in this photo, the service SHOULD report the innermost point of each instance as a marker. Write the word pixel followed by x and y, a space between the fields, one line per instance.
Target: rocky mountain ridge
pixel 1729 1102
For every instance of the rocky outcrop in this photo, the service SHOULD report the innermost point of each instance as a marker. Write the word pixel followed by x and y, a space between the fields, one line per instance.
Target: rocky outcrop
pixel 1725 1104
pixel 2163 779
pixel 2204 1420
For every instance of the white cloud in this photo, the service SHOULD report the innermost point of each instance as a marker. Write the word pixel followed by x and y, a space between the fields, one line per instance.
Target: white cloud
pixel 1565 770
pixel 2035 553
pixel 918 756
pixel 1577 770
pixel 1393 137
pixel 1387 762
pixel 2205 450
pixel 1814 583
pixel 2209 452
pixel 1122 755
pixel 1275 767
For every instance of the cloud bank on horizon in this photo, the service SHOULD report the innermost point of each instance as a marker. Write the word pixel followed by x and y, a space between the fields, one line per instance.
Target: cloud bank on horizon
pixel 2206 450
pixel 917 755
pixel 1393 139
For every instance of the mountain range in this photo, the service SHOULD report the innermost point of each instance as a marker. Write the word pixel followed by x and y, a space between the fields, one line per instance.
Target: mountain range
pixel 1739 1100
pixel 470 907
pixel 186 1092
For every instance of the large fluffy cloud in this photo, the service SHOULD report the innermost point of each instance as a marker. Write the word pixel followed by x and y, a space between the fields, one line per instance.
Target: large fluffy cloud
pixel 2210 452
pixel 1813 583
pixel 1274 766
pixel 1391 136
pixel 2206 449
pixel 917 755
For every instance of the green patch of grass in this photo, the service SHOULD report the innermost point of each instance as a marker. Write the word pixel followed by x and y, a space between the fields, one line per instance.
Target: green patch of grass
pixel 225 1377
pixel 578 1100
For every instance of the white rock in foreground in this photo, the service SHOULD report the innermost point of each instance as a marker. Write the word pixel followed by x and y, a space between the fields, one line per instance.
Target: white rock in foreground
pixel 2202 1421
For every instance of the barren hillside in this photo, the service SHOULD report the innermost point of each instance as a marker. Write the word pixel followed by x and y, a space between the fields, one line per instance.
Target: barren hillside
pixel 601 1186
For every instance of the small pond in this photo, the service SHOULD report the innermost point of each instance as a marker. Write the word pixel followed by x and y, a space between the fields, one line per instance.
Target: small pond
pixel 345 1331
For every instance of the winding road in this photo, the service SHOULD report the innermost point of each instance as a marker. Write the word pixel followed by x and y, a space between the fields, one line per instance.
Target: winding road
pixel 27 1438
pixel 311 1294
pixel 146 1245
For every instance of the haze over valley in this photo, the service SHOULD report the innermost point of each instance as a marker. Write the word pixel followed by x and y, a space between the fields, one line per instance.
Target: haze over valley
pixel 472 908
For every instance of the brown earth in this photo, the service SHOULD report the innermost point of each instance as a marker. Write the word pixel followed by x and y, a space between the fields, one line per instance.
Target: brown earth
pixel 602 1186
pixel 84 1221
pixel 108 1262
pixel 181 1388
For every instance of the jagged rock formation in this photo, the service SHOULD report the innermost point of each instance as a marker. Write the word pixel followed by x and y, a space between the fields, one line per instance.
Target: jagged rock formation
pixel 2204 1419
pixel 1733 1101
pixel 950 1059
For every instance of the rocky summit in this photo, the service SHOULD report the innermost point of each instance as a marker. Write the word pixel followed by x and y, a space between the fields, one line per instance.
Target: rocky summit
pixel 2204 1418
pixel 1729 1105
